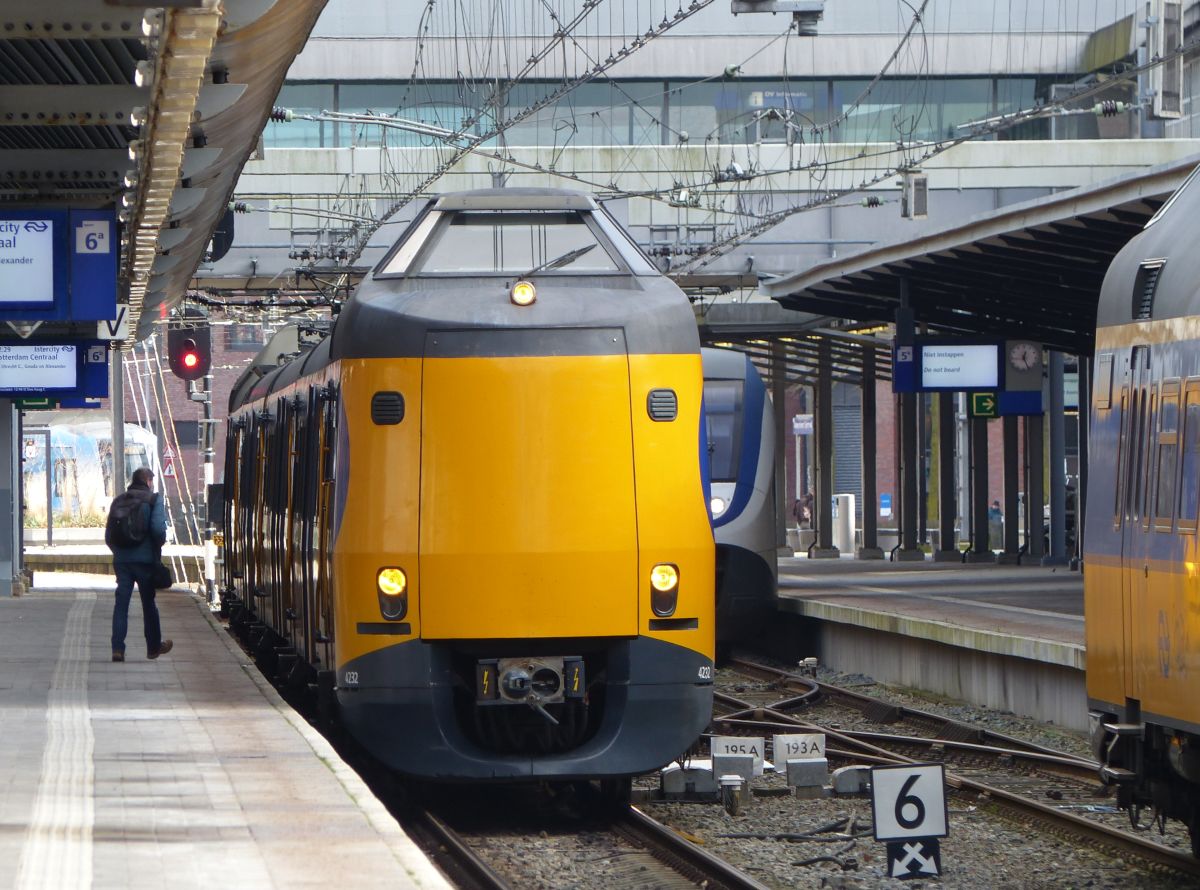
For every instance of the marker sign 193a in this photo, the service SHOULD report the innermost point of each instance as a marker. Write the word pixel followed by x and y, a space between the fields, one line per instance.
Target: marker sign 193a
pixel 798 746
pixel 909 801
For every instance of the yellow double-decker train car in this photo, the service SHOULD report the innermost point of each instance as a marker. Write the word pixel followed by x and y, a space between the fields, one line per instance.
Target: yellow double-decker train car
pixel 1142 544
pixel 474 516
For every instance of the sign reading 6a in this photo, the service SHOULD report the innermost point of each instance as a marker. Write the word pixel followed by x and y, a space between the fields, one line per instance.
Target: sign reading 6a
pixel 909 801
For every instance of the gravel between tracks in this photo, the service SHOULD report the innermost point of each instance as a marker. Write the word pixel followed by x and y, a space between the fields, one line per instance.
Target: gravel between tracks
pixel 982 851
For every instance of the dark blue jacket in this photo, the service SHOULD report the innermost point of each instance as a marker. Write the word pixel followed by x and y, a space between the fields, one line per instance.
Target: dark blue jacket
pixel 148 550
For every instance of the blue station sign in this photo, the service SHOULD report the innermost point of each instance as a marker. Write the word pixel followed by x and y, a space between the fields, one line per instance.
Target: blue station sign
pixel 58 265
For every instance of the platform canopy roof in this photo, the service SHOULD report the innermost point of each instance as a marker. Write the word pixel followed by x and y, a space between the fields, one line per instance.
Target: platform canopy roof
pixel 153 110
pixel 1030 271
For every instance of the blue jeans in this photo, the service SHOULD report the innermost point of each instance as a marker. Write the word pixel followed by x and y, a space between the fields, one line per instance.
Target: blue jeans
pixel 143 574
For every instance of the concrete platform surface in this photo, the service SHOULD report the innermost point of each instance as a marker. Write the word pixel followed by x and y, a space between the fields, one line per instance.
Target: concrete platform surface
pixel 1025 611
pixel 187 771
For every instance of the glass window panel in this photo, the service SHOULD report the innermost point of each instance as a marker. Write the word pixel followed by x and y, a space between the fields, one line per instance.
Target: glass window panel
pixel 514 243
pixel 302 98
pixel 722 417
pixel 1189 495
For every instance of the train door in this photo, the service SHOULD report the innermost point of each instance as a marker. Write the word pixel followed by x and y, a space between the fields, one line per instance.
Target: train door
pixel 1137 455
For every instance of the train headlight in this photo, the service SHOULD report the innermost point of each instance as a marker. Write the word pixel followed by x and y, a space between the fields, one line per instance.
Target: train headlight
pixel 392 584
pixel 523 293
pixel 717 505
pixel 664 594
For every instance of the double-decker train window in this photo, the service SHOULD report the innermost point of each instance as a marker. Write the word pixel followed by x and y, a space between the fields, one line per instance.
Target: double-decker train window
pixel 723 418
pixel 1189 477
pixel 1168 455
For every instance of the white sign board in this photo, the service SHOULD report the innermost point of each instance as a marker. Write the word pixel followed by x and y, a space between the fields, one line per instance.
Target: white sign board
pixel 799 746
pixel 38 367
pixel 802 424
pixel 724 744
pixel 118 328
pixel 960 367
pixel 26 261
pixel 909 801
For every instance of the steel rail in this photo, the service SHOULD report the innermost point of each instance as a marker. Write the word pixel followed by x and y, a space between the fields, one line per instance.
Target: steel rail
pixel 461 854
pixel 770 720
pixel 682 855
pixel 947 729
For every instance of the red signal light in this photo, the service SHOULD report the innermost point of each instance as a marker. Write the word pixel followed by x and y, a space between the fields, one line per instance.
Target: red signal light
pixel 190 360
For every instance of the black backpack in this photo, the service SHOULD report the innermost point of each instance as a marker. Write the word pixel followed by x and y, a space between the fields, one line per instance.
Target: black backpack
pixel 128 524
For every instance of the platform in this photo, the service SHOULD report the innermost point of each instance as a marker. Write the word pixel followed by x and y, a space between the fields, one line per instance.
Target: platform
pixel 187 771
pixel 1006 637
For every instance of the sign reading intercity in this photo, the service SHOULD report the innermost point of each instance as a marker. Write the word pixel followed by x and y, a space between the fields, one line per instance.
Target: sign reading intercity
pixel 38 367
pixel 27 261
pixel 58 265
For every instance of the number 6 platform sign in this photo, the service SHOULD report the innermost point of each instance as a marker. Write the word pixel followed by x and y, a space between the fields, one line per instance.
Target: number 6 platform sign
pixel 908 804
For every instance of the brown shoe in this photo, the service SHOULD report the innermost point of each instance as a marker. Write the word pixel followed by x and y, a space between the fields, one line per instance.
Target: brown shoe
pixel 163 649
pixel 118 656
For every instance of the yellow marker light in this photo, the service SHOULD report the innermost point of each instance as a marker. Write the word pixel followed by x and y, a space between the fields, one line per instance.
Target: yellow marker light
pixel 523 293
pixel 664 577
pixel 392 582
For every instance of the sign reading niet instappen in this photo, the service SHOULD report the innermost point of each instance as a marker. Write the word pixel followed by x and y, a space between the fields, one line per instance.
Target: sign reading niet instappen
pixel 26 261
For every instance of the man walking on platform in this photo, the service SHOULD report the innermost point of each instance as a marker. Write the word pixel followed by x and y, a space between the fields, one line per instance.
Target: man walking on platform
pixel 135 533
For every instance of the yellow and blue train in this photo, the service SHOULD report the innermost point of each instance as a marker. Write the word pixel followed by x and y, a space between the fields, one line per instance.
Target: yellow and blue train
pixel 1142 544
pixel 474 516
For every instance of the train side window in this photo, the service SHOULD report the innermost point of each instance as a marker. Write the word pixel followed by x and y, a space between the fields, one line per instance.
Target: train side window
pixel 1122 460
pixel 1189 482
pixel 1168 456
pixel 1103 383
pixel 1146 480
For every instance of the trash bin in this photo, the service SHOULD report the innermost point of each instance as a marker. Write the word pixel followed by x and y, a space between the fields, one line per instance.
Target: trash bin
pixel 843 522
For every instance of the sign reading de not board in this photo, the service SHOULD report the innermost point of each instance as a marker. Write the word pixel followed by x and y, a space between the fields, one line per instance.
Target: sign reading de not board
pixel 26 261
pixel 960 366
pixel 39 367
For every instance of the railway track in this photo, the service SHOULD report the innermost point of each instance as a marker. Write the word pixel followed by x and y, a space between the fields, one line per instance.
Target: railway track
pixel 650 855
pixel 994 771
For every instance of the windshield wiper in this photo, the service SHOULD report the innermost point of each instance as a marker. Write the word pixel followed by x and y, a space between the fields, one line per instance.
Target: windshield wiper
pixel 558 262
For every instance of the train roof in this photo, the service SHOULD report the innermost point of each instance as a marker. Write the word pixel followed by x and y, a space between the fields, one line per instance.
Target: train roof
pixel 1157 274
pixel 516 199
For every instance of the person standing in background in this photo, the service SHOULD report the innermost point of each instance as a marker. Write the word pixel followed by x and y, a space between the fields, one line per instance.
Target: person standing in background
pixel 135 533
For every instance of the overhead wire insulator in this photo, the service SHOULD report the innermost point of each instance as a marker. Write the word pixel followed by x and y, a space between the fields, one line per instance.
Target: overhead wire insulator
pixel 239 206
pixel 872 201
pixel 282 115
pixel 1109 108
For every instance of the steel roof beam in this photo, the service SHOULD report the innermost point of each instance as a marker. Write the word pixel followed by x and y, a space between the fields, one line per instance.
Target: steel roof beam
pixel 55 105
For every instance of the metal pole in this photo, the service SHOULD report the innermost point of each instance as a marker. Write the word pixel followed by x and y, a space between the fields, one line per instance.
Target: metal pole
pixel 947 501
pixel 778 405
pixel 1058 460
pixel 1085 413
pixel 962 433
pixel 210 547
pixel 981 549
pixel 1035 491
pixel 1012 525
pixel 117 397
pixel 870 505
pixel 823 418
pixel 906 336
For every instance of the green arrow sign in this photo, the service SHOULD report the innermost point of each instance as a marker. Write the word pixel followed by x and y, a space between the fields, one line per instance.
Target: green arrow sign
pixel 984 404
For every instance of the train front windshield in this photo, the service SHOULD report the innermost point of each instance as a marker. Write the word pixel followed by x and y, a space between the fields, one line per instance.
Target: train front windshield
pixel 723 417
pixel 491 242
